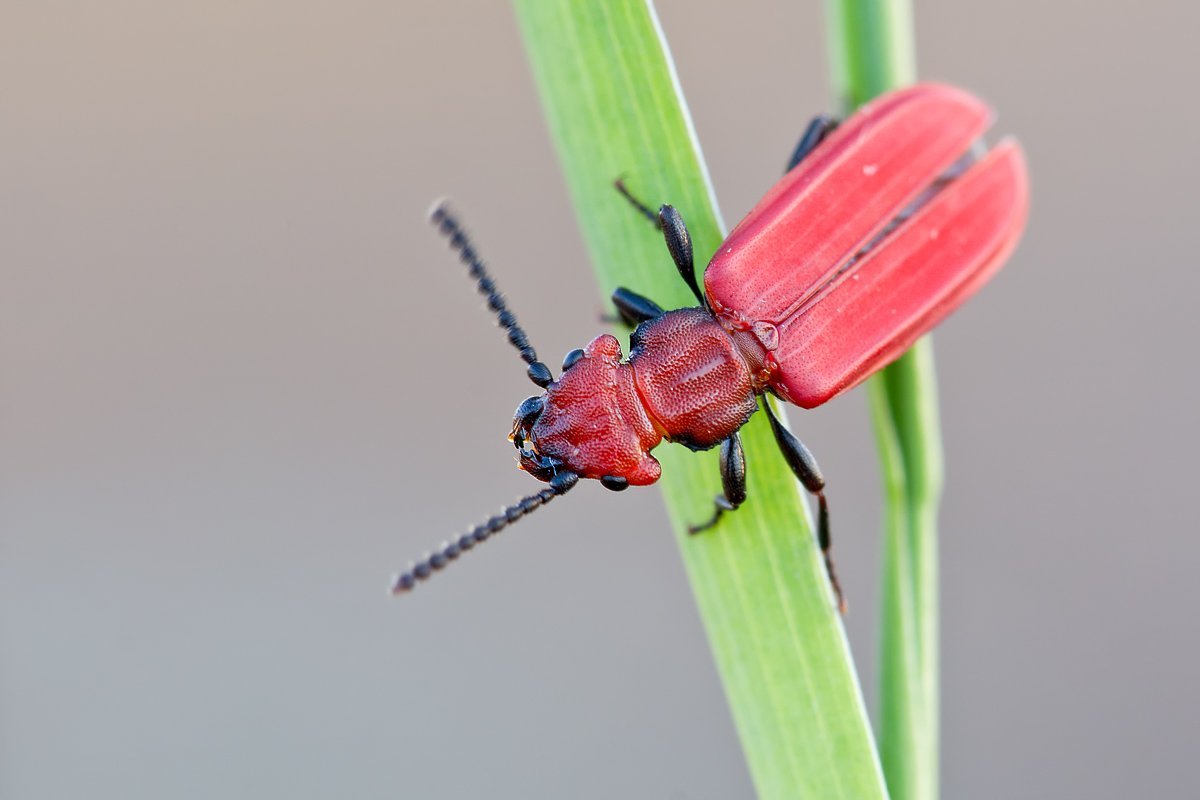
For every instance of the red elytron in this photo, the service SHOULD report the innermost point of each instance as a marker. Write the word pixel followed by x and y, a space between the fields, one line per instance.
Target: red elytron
pixel 884 226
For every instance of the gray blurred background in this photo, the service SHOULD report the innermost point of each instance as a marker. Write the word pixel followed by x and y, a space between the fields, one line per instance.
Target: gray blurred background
pixel 242 382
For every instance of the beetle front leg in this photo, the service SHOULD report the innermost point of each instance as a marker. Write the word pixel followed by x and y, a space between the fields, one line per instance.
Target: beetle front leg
pixel 733 482
pixel 633 308
pixel 814 134
pixel 805 468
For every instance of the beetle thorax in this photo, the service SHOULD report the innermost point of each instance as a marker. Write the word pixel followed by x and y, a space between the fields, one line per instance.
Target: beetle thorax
pixel 694 378
pixel 686 380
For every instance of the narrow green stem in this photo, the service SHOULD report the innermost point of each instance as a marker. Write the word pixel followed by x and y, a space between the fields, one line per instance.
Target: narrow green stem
pixel 872 51
pixel 615 109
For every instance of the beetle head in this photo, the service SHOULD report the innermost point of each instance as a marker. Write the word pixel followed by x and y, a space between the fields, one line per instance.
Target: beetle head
pixel 543 467
pixel 589 422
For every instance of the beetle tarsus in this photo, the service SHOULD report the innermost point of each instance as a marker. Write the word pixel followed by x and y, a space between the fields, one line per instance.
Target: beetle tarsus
pixel 826 546
pixel 721 506
pixel 800 460
pixel 733 482
pixel 641 207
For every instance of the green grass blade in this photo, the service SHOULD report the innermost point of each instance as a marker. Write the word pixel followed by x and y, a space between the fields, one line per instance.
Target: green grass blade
pixel 615 109
pixel 871 44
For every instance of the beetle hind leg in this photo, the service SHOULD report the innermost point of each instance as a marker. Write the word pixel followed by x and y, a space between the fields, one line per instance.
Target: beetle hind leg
pixel 805 468
pixel 826 545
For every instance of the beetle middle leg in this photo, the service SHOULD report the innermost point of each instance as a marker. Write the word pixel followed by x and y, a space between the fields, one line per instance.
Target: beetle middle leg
pixel 805 468
pixel 733 482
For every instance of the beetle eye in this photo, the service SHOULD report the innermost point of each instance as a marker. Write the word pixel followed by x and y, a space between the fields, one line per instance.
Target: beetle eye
pixel 524 418
pixel 528 412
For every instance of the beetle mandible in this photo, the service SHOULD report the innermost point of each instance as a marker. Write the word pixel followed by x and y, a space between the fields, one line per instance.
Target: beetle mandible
pixel 882 226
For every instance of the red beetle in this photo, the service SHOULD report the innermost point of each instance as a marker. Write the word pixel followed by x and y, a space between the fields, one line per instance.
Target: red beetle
pixel 882 226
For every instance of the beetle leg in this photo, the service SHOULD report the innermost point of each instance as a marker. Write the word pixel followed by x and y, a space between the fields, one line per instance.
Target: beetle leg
pixel 805 468
pixel 633 308
pixel 814 134
pixel 733 482
pixel 679 242
pixel 641 207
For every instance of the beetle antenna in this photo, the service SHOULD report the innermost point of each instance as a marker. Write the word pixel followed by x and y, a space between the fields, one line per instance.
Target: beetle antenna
pixel 449 226
pixel 561 483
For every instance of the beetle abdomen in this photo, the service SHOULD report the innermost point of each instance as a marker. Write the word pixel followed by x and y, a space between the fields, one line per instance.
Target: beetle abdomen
pixel 691 377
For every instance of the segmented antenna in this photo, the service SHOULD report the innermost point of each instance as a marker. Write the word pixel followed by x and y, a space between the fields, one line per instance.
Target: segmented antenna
pixel 449 226
pixel 561 483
